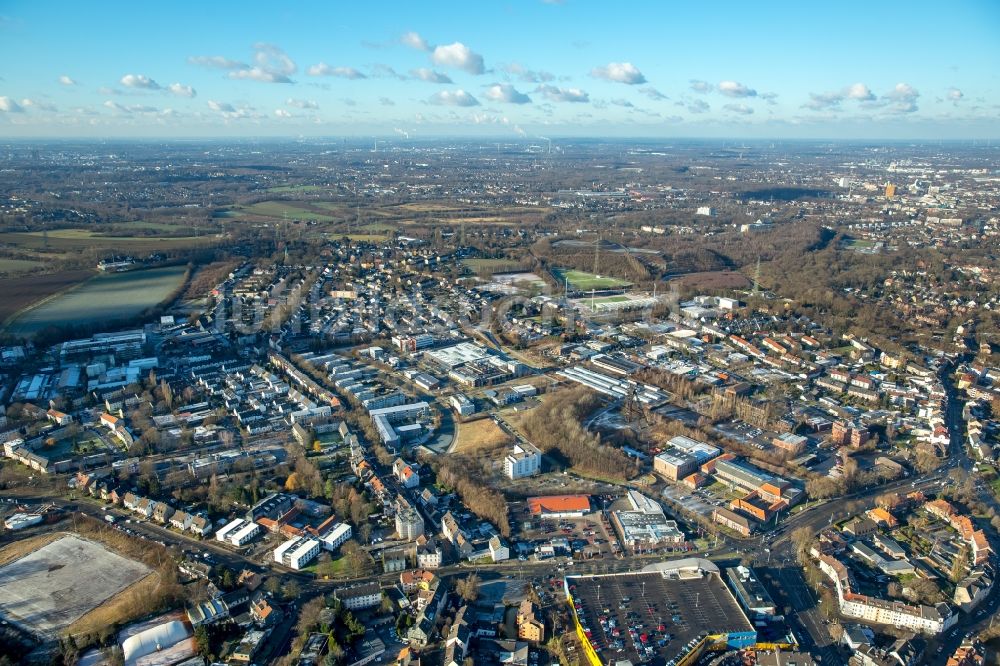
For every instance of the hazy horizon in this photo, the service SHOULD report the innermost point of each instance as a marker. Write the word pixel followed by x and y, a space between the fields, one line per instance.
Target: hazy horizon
pixel 529 69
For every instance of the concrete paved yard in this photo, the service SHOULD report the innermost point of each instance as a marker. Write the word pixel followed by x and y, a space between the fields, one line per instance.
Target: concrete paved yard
pixel 54 586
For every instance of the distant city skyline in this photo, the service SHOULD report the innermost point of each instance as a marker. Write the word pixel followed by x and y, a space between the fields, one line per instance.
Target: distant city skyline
pixel 526 69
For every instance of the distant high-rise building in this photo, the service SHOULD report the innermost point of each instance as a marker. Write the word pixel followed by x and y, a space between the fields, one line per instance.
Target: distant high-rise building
pixel 890 191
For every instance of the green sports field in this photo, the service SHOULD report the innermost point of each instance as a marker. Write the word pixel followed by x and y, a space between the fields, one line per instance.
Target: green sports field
pixel 587 281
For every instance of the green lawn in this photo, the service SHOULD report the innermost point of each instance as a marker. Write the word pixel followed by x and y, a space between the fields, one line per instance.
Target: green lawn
pixel 18 265
pixel 295 188
pixel 104 297
pixel 586 281
pixel 283 208
pixel 477 264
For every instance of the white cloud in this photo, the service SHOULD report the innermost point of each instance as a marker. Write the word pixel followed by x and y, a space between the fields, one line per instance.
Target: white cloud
pixel 623 102
pixel 139 81
pixel 453 98
pixel 301 103
pixel 221 107
pixel 735 89
pixel 696 106
pixel 557 94
pixel 323 69
pixel 824 101
pixel 281 113
pixel 132 108
pixel 217 62
pixel 459 56
pixel 415 41
pixel 66 80
pixel 700 86
pixel 830 101
pixel 527 75
pixel 653 94
pixel 769 97
pixel 504 92
pixel 741 109
pixel 272 65
pixel 36 104
pixel 272 58
pixel 7 105
pixel 380 70
pixel 902 98
pixel 181 90
pixel 430 76
pixel 619 72
pixel 385 101
pixel 229 112
pixel 859 92
pixel 258 74
pixel 955 95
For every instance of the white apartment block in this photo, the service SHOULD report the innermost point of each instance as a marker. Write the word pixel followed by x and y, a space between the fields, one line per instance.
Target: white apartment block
pixel 297 553
pixel 523 460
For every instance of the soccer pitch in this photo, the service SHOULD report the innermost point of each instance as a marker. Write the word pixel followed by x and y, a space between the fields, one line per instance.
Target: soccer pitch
pixel 587 281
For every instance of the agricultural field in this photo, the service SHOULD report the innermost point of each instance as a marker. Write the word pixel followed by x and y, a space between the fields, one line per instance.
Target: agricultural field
pixel 480 265
pixel 282 209
pixel 287 189
pixel 586 281
pixel 104 297
pixel 72 240
pixel 480 435
pixel 15 266
pixel 57 582
pixel 20 292
pixel 363 238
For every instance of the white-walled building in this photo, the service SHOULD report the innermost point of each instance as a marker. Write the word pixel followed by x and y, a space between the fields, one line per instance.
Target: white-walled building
pixel 229 529
pixel 245 533
pixel 336 537
pixel 297 553
pixel 523 460
pixel 363 595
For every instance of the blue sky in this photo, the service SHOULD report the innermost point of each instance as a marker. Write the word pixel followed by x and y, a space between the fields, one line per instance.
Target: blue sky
pixel 520 68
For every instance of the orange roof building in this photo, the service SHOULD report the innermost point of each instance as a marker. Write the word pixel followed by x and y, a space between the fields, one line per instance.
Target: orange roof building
pixel 560 506
pixel 882 517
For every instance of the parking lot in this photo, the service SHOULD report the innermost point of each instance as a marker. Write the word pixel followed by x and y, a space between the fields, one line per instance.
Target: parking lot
pixel 587 538
pixel 643 616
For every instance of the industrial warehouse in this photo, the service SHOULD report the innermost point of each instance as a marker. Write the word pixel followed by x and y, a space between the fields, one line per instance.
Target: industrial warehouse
pixel 667 613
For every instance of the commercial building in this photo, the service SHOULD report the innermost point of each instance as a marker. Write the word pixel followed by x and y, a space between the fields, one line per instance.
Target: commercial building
pixel 386 418
pixel 523 460
pixel 682 456
pixel 741 474
pixel 698 610
pixel 559 506
pixel 462 405
pixel 750 592
pixel 645 525
pixel 734 521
